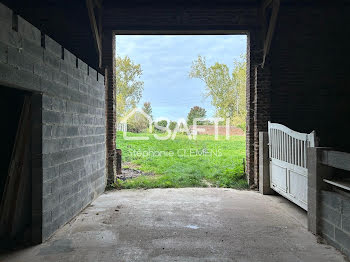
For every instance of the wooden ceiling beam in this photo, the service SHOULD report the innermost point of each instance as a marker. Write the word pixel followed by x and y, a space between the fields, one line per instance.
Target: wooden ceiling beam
pixel 275 4
pixel 98 3
pixel 95 27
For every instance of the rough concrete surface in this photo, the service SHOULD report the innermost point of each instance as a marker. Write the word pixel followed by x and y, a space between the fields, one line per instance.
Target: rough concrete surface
pixel 191 224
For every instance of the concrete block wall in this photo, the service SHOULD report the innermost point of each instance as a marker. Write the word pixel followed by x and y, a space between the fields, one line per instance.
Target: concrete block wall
pixel 335 220
pixel 73 117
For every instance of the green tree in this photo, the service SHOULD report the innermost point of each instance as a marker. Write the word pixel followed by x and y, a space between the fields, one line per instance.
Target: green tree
pixel 147 108
pixel 138 123
pixel 172 125
pixel 196 112
pixel 129 87
pixel 226 90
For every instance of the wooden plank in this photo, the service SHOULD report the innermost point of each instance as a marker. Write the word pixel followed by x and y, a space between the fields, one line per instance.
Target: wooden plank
pixel 94 28
pixel 98 3
pixel 266 3
pixel 271 28
pixel 13 192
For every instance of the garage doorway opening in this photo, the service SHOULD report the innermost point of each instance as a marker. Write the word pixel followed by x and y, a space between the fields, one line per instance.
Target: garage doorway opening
pixel 18 176
pixel 181 110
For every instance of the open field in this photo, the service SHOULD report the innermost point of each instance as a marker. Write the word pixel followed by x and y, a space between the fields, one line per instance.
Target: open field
pixel 184 163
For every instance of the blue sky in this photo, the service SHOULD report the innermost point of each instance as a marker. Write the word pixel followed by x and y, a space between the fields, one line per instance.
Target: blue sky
pixel 166 61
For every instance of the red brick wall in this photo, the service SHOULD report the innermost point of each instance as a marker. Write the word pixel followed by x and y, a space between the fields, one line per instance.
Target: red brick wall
pixel 108 60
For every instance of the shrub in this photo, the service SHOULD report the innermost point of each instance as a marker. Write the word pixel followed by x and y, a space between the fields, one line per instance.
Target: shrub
pixel 137 123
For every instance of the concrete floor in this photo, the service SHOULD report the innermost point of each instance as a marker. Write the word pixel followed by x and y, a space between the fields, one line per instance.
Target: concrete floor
pixel 192 224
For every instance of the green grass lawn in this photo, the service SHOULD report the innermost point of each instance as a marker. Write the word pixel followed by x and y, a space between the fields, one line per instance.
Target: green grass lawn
pixel 183 162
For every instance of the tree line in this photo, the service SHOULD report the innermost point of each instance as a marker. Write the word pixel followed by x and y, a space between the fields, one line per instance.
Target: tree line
pixel 226 91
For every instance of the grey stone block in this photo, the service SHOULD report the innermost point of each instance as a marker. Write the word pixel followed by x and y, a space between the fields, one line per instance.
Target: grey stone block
pixel 47 217
pixel 50 173
pixel 72 131
pixel 332 200
pixel 59 157
pixel 46 231
pixel 5 17
pixel 53 47
pixel 20 60
pixel 100 130
pixel 72 107
pixel 64 169
pixel 56 185
pixel 60 77
pixel 57 211
pixel 3 53
pixel 66 192
pixel 77 73
pixel 92 76
pixel 332 242
pixel 19 78
pixel 76 96
pixel 327 228
pixel 46 102
pixel 10 37
pixel 346 207
pixel 66 143
pixel 346 223
pixel 77 142
pixel 52 60
pixel 47 188
pixel 78 164
pixel 73 83
pixel 29 31
pixel 58 131
pixel 43 71
pixel 78 185
pixel 46 159
pixel 64 67
pixel 331 215
pixel 58 222
pixel 49 201
pixel 47 131
pixel 55 89
pixel 59 105
pixel 50 146
pixel 69 178
pixel 83 88
pixel 34 50
pixel 69 58
pixel 82 66
pixel 51 117
pixel 342 238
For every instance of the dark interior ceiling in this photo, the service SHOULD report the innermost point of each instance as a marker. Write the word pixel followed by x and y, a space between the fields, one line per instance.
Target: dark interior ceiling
pixel 66 21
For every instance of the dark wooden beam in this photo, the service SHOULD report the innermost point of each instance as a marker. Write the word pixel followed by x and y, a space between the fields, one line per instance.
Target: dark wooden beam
pixel 95 28
pixel 275 4
pixel 266 3
pixel 98 3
